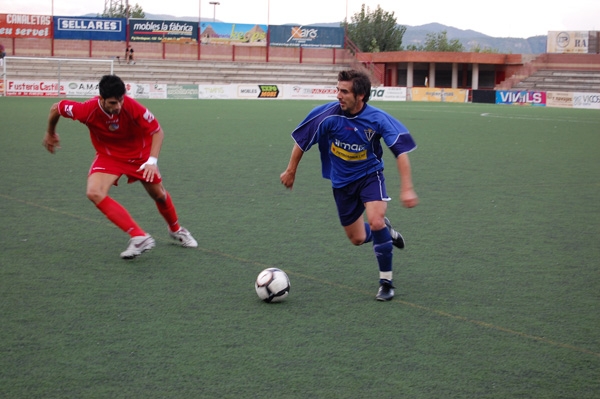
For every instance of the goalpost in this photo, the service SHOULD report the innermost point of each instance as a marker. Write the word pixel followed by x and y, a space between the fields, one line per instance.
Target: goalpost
pixel 55 71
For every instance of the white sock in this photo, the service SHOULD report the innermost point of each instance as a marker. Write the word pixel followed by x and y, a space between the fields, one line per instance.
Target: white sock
pixel 385 276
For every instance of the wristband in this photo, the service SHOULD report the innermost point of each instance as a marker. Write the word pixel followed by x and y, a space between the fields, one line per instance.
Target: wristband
pixel 152 161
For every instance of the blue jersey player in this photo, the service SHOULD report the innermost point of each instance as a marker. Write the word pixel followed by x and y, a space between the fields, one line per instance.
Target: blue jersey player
pixel 348 133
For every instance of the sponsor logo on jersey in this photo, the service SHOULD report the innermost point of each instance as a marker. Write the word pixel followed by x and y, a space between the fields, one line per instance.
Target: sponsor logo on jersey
pixel 348 152
pixel 148 116
pixel 69 110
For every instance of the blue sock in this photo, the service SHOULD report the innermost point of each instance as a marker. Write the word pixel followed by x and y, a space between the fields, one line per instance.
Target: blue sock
pixel 382 246
pixel 369 235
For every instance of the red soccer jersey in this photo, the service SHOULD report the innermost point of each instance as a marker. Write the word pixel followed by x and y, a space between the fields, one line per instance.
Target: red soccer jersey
pixel 126 136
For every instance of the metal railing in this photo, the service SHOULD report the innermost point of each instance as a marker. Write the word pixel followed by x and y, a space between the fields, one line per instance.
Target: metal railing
pixel 377 73
pixel 58 61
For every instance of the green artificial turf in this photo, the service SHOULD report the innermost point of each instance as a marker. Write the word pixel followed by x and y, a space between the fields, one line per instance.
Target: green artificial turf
pixel 497 290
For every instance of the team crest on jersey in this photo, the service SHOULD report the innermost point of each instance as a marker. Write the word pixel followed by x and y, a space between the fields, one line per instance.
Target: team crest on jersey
pixel 113 126
pixel 370 133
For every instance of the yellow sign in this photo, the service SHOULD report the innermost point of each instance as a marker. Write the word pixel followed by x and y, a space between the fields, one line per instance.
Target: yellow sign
pixel 439 95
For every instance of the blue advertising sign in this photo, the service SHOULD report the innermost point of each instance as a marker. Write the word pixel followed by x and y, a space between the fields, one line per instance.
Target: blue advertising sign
pixel 81 28
pixel 153 31
pixel 306 36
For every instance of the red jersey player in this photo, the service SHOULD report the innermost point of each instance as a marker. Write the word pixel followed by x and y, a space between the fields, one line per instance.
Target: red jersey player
pixel 127 139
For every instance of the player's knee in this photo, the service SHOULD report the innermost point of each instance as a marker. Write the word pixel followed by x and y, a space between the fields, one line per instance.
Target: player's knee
pixel 157 192
pixel 377 224
pixel 355 240
pixel 95 196
pixel 159 197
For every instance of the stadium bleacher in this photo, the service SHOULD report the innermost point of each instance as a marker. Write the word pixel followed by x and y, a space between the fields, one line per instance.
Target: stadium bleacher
pixel 178 72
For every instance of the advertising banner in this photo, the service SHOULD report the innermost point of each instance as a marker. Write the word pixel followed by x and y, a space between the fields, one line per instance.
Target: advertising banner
pixel 25 25
pixel 81 89
pixel 138 90
pixel 299 92
pixel 153 31
pixel 238 34
pixel 146 90
pixel 483 96
pixel 216 91
pixel 306 36
pixel 388 93
pixel 439 95
pixel 558 99
pixel 258 91
pixel 586 100
pixel 34 88
pixel 537 98
pixel 158 90
pixel 77 28
pixel 573 100
pixel 182 92
pixel 568 42
pixel 305 92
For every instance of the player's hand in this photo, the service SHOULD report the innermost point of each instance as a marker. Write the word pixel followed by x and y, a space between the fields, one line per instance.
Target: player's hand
pixel 287 179
pixel 150 169
pixel 409 198
pixel 51 142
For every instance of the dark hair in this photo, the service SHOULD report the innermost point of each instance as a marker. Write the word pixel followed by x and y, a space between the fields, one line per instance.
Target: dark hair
pixel 361 84
pixel 111 86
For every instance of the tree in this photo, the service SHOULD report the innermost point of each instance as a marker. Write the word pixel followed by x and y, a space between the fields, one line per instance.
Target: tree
pixel 121 11
pixel 439 42
pixel 374 31
pixel 477 49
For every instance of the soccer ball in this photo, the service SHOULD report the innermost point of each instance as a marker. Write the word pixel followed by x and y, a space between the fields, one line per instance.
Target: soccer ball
pixel 272 285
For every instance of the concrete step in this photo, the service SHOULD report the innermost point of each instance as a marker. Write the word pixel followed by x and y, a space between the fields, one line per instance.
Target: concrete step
pixel 176 72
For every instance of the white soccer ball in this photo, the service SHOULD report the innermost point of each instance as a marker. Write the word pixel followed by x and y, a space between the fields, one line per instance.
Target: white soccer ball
pixel 272 285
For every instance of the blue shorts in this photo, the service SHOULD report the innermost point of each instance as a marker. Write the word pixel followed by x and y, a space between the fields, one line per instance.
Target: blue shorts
pixel 351 199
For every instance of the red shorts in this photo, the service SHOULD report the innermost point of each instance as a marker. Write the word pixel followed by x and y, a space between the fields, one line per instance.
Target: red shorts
pixel 105 164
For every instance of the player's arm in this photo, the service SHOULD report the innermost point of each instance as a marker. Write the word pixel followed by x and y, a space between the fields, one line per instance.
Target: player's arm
pixel 408 196
pixel 289 175
pixel 51 140
pixel 157 140
pixel 150 167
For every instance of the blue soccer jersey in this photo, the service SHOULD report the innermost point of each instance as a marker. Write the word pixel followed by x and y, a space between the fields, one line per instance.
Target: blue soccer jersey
pixel 350 145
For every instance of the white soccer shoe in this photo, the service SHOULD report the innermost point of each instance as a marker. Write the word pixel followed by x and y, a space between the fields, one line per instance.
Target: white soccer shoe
pixel 184 237
pixel 137 246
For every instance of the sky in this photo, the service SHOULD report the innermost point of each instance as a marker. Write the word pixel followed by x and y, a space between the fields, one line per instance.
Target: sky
pixel 506 18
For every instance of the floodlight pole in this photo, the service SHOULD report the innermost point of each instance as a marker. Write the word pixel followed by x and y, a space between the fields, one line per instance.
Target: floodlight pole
pixel 346 11
pixel 214 4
